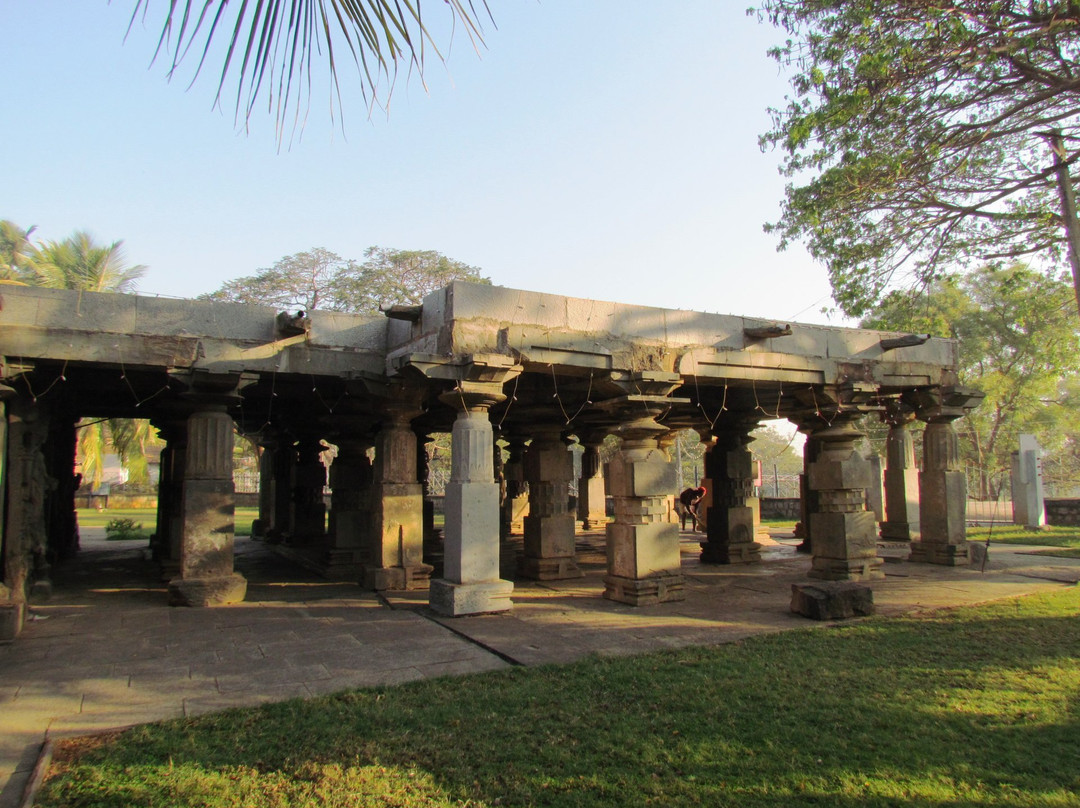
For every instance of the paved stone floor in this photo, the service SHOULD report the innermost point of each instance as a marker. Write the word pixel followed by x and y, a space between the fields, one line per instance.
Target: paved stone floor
pixel 105 651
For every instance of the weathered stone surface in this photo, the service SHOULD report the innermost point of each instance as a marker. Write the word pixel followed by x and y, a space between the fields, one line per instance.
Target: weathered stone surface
pixel 12 617
pixel 458 599
pixel 219 591
pixel 832 600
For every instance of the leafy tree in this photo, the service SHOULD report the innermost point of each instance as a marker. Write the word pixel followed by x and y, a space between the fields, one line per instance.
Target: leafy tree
pixel 79 263
pixel 927 136
pixel 1018 341
pixel 773 448
pixel 14 248
pixel 306 280
pixel 319 279
pixel 273 45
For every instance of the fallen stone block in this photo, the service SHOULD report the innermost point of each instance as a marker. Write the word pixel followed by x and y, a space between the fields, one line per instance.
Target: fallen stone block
pixel 832 600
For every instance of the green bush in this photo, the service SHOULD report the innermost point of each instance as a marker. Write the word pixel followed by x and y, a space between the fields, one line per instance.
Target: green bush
pixel 123 530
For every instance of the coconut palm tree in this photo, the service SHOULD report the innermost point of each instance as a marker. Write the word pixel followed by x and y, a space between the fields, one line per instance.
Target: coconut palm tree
pixel 14 249
pixel 272 44
pixel 78 263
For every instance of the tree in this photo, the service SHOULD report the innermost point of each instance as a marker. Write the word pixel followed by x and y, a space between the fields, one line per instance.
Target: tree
pixel 274 44
pixel 1018 341
pixel 78 263
pixel 14 249
pixel 305 281
pixel 927 136
pixel 319 279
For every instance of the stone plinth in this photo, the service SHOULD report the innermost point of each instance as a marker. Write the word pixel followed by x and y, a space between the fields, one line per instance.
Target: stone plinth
pixel 833 600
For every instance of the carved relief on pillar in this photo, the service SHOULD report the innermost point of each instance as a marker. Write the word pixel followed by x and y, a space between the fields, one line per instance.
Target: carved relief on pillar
pixel 732 507
pixel 942 483
pixel 592 500
pixel 843 533
pixel 515 501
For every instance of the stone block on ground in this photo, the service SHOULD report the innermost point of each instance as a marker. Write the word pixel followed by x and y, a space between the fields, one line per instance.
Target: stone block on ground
pixel 832 600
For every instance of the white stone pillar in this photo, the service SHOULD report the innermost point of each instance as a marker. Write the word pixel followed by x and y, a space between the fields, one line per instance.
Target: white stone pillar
pixel 1029 506
pixel 470 582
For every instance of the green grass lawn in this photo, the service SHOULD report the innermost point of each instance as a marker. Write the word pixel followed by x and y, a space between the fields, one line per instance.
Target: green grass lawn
pixel 968 707
pixel 1065 539
pixel 147 517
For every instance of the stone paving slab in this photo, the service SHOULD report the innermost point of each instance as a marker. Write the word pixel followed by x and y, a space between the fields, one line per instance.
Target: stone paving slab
pixel 107 652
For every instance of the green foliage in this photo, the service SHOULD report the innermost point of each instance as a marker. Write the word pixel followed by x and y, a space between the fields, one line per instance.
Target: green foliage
pixel 320 279
pixel 123 529
pixel 916 134
pixel 1018 338
pixel 14 249
pixel 798 718
pixel 78 262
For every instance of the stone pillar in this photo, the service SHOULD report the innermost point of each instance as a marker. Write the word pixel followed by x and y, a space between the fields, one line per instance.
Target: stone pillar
pixel 729 469
pixel 549 527
pixel 807 496
pixel 942 483
pixel 432 545
pixel 901 478
pixel 170 525
pixel 592 502
pixel 515 505
pixel 261 527
pixel 308 524
pixel 283 460
pixel 1029 506
pixel 349 535
pixel 644 563
pixel 396 557
pixel 471 583
pixel 843 534
pixel 206 558
pixel 12 604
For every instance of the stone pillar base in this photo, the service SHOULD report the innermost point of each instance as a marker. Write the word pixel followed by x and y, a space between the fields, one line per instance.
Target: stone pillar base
pixel 739 553
pixel 12 619
pixel 949 555
pixel 454 600
pixel 397 578
pixel 898 531
pixel 207 591
pixel 847 569
pixel 645 591
pixel 548 569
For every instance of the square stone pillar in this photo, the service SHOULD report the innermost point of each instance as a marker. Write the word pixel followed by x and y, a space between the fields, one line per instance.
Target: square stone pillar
pixel 901 479
pixel 470 582
pixel 283 460
pixel 350 522
pixel 730 524
pixel 843 534
pixel 396 559
pixel 206 554
pixel 943 483
pixel 549 528
pixel 592 500
pixel 515 503
pixel 644 563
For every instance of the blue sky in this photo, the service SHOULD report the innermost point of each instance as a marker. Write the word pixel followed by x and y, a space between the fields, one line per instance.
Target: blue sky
pixel 593 148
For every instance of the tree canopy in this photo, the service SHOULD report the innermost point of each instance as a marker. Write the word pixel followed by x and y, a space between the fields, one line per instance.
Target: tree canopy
pixel 921 136
pixel 320 279
pixel 1018 338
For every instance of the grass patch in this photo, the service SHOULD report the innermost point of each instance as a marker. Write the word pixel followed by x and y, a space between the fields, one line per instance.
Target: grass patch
pixel 975 706
pixel 1050 536
pixel 147 518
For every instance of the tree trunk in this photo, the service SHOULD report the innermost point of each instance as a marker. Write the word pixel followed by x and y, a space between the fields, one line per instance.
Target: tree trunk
pixel 1068 208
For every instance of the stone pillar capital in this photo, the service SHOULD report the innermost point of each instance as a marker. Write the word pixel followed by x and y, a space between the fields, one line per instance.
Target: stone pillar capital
pixel 471 396
pixel 946 404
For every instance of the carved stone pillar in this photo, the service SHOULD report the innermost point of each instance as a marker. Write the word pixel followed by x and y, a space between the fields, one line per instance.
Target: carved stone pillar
pixel 843 534
pixel 901 478
pixel 283 460
pixel 206 576
pixel 942 483
pixel 807 496
pixel 432 545
pixel 12 605
pixel 396 560
pixel 730 529
pixel 549 527
pixel 470 582
pixel 515 505
pixel 592 501
pixel 264 524
pixel 349 535
pixel 308 524
pixel 170 514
